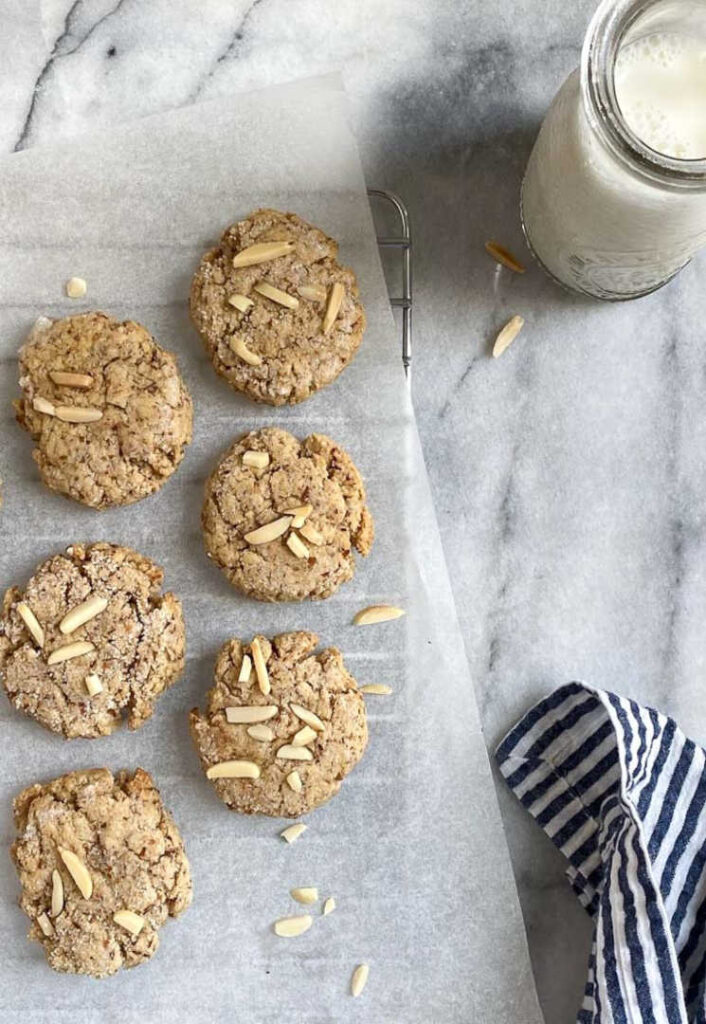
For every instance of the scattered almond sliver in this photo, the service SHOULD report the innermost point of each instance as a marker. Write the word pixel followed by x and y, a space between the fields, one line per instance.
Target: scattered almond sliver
pixel 304 737
pixel 69 651
pixel 261 252
pixel 241 349
pixel 263 679
pixel 233 770
pixel 245 670
pixel 333 307
pixel 93 684
pixel 290 927
pixel 329 906
pixel 311 534
pixel 45 924
pixel 502 255
pixel 130 921
pixel 78 871
pixel 299 514
pixel 31 622
pixel 276 295
pixel 270 531
pixel 71 380
pixel 57 893
pixel 359 979
pixel 377 613
pixel 252 713
pixel 292 832
pixel 262 733
pixel 305 895
pixel 312 292
pixel 507 335
pixel 83 613
pixel 77 414
pixel 308 717
pixel 256 460
pixel 76 287
pixel 43 405
pixel 291 753
pixel 297 546
pixel 379 688
pixel 241 302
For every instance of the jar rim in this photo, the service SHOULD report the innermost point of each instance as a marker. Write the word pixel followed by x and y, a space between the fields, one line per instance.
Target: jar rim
pixel 607 28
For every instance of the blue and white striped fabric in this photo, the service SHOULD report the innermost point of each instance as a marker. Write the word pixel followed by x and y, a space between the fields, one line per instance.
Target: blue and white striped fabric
pixel 622 793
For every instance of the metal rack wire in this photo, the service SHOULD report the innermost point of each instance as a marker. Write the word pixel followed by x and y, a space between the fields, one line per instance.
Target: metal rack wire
pixel 403 242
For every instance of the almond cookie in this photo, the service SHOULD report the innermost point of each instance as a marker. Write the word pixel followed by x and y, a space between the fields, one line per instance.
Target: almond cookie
pixel 91 638
pixel 279 316
pixel 102 866
pixel 282 516
pixel 106 407
pixel 282 727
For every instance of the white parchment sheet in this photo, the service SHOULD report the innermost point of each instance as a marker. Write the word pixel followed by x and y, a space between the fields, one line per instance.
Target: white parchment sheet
pixel 412 848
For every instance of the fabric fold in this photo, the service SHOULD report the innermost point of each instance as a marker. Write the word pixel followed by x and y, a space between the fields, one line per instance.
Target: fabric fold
pixel 621 791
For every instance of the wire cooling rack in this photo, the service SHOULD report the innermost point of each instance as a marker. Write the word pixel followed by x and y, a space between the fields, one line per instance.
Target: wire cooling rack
pixel 401 241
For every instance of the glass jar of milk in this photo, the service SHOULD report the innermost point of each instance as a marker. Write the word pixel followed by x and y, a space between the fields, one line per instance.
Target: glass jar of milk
pixel 614 196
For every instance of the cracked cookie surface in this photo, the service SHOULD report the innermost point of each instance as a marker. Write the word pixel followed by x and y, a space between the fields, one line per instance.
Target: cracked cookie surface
pixel 119 830
pixel 316 682
pixel 240 498
pixel 137 641
pixel 145 410
pixel 294 355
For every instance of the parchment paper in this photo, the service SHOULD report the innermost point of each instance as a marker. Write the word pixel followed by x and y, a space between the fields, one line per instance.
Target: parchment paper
pixel 412 848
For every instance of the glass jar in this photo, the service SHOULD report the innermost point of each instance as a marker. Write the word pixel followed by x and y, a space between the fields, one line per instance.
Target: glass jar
pixel 603 212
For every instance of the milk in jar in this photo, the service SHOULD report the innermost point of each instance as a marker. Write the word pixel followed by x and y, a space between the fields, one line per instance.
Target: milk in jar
pixel 614 196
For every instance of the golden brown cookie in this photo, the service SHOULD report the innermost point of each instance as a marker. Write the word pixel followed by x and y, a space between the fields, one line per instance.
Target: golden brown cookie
pixel 282 727
pixel 106 407
pixel 91 638
pixel 102 866
pixel 279 316
pixel 307 496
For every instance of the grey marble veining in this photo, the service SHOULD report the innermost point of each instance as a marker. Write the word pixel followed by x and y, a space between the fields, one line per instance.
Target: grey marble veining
pixel 567 475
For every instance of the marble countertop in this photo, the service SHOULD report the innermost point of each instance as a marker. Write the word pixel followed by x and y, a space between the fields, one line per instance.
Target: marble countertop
pixel 567 475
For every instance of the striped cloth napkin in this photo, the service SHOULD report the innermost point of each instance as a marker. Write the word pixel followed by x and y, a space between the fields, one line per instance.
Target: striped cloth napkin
pixel 622 793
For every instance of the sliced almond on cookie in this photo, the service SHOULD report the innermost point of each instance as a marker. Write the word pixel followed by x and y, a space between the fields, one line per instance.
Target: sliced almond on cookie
pixel 241 349
pixel 291 753
pixel 78 871
pixel 333 308
pixel 263 679
pixel 304 737
pixel 312 292
pixel 130 921
pixel 294 781
pixel 233 770
pixel 297 546
pixel 262 733
pixel 270 531
pixel 68 379
pixel 276 295
pixel 311 534
pixel 248 714
pixel 256 460
pixel 43 405
pixel 308 717
pixel 82 613
pixel 78 414
pixel 261 252
pixel 31 622
pixel 240 302
pixel 69 651
pixel 93 684
pixel 299 514
pixel 57 893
